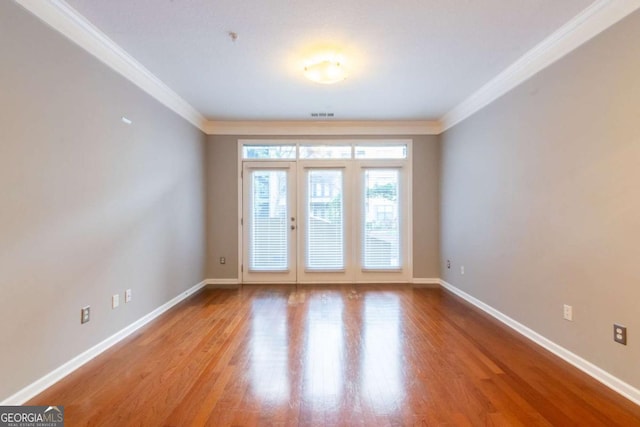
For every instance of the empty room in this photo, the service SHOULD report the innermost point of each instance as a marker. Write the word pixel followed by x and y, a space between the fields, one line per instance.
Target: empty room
pixel 358 213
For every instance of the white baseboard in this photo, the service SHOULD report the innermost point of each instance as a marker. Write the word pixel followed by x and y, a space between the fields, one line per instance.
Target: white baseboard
pixel 425 283
pixel 333 282
pixel 587 367
pixel 62 371
pixel 222 283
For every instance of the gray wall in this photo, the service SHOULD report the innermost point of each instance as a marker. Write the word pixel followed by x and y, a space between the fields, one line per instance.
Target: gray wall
pixel 88 205
pixel 222 206
pixel 426 207
pixel 540 201
pixel 222 202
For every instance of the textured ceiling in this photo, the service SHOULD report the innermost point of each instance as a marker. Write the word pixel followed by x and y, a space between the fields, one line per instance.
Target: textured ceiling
pixel 407 59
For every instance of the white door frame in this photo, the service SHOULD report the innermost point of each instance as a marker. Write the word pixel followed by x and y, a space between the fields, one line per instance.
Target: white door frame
pixel 405 273
pixel 383 277
pixel 346 275
pixel 284 276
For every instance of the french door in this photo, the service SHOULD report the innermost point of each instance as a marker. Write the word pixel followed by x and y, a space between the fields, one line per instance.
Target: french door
pixel 325 209
pixel 325 221
pixel 269 222
pixel 382 233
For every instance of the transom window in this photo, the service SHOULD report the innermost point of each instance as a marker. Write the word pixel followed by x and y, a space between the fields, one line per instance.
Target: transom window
pixel 388 150
pixel 321 211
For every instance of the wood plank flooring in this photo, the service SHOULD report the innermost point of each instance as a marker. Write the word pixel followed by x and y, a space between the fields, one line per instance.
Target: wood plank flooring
pixel 328 356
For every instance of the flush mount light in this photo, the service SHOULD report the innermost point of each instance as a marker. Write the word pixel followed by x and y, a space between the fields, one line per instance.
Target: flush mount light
pixel 325 71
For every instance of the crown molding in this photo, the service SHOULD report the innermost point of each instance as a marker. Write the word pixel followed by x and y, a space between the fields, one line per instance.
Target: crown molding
pixel 584 26
pixel 590 22
pixel 329 127
pixel 66 20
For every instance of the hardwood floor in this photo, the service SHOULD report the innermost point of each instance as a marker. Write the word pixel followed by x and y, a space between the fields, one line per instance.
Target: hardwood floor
pixel 328 355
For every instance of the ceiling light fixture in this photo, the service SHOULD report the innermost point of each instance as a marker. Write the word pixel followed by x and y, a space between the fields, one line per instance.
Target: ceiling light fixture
pixel 325 71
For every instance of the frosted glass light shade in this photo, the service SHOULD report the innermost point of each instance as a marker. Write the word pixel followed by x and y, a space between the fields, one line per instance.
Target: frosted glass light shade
pixel 325 72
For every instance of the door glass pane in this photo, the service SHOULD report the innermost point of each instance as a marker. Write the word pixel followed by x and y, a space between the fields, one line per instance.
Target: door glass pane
pixel 268 246
pixel 325 220
pixel 381 234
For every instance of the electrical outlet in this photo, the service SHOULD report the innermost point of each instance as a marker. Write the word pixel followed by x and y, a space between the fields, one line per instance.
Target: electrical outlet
pixel 115 301
pixel 223 260
pixel 462 269
pixel 448 264
pixel 620 334
pixel 127 296
pixel 85 314
pixel 567 312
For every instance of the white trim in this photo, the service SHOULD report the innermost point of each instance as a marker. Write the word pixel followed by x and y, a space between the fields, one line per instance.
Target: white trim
pixel 357 282
pixel 332 283
pixel 289 167
pixel 223 283
pixel 62 371
pixel 67 21
pixel 240 213
pixel 425 282
pixel 329 127
pixel 585 366
pixel 345 168
pixel 593 20
pixel 365 141
pixel 381 282
pixel 409 207
pixel 255 282
pixel 589 368
pixel 402 275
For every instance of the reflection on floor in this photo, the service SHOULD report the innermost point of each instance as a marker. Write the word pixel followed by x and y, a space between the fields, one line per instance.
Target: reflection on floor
pixel 331 355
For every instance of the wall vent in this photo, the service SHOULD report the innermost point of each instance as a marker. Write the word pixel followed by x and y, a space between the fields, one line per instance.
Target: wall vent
pixel 322 115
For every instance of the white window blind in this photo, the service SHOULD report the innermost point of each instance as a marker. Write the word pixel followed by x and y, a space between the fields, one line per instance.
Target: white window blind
pixel 325 220
pixel 381 225
pixel 268 246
